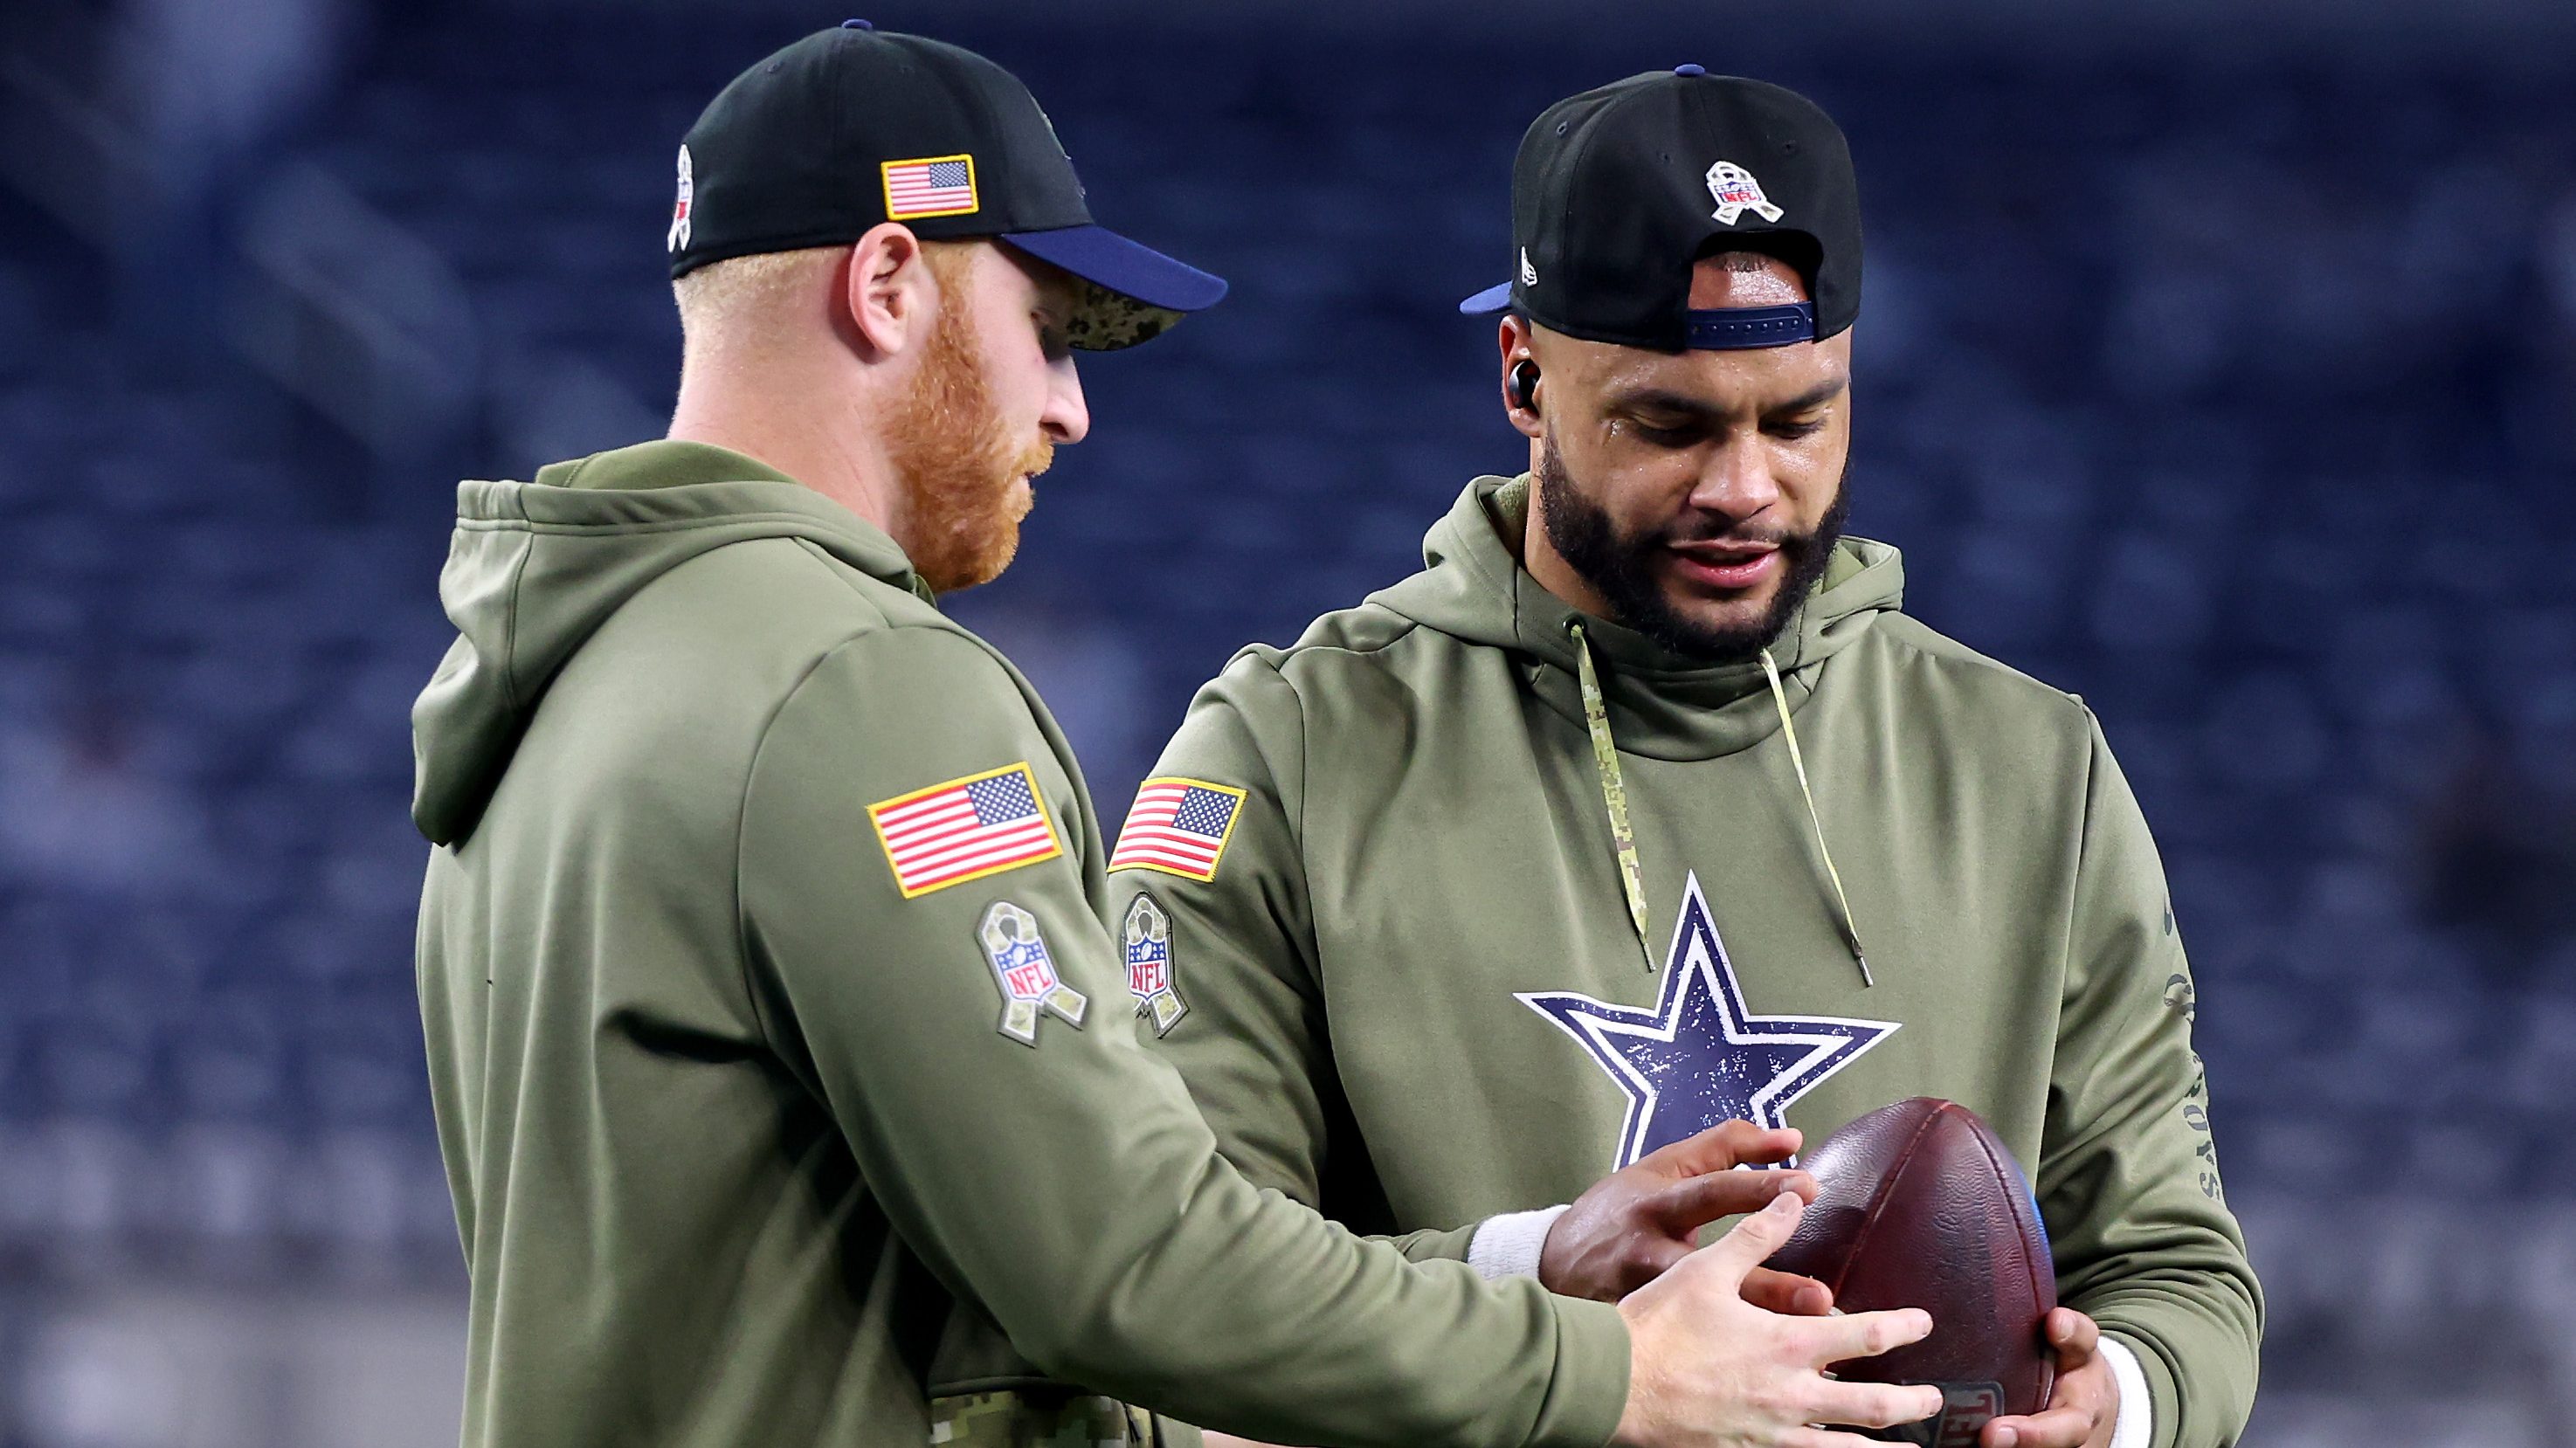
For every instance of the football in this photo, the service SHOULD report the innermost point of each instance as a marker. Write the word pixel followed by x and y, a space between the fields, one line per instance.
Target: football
pixel 1919 1205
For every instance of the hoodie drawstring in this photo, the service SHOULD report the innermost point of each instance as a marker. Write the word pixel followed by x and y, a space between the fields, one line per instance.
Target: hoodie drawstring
pixel 1614 794
pixel 1614 790
pixel 1797 761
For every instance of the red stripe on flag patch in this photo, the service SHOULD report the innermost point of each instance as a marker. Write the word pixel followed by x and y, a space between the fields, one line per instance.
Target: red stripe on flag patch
pixel 1178 826
pixel 965 829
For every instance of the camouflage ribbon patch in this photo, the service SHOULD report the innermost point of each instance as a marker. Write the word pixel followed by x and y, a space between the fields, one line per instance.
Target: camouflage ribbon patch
pixel 1025 969
pixel 1148 940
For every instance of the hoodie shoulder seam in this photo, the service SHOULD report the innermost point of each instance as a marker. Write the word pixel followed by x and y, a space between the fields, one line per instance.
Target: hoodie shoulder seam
pixel 1967 657
pixel 849 577
pixel 1310 955
pixel 1410 627
pixel 760 746
pixel 742 823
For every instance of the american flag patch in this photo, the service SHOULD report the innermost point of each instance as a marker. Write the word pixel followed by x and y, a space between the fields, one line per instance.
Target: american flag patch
pixel 965 829
pixel 931 186
pixel 1177 826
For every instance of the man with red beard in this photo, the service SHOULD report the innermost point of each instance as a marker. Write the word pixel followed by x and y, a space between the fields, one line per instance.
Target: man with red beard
pixel 772 1031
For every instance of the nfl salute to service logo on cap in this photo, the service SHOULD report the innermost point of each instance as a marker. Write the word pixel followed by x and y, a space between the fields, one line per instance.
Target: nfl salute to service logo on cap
pixel 854 127
pixel 1618 190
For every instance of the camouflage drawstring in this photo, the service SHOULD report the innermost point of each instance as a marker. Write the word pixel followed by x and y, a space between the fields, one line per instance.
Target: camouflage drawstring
pixel 1614 791
pixel 1851 930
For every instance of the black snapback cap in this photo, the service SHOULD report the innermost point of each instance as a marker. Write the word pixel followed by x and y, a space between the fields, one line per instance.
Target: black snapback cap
pixel 853 127
pixel 1618 191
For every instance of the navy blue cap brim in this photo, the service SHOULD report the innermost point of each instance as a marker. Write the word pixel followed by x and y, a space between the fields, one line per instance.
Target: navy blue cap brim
pixel 1490 300
pixel 1103 257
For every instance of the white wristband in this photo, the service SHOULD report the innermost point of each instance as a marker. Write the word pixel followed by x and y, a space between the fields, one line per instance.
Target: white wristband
pixel 2135 1427
pixel 1508 1245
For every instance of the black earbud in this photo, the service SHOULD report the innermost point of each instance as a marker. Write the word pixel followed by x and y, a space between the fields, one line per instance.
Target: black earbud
pixel 1523 385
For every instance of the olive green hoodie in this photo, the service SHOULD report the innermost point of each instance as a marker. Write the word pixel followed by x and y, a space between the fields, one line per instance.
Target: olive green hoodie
pixel 766 1121
pixel 1411 988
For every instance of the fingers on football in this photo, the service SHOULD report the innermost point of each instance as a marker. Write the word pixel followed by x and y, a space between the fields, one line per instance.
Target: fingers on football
pixel 1727 1144
pixel 2074 1334
pixel 1688 1205
pixel 2056 1428
pixel 1872 1405
pixel 1787 1292
pixel 1825 1438
pixel 1865 1334
pixel 1745 1244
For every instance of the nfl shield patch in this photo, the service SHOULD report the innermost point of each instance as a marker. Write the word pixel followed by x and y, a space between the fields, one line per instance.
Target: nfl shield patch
pixel 1026 970
pixel 1147 941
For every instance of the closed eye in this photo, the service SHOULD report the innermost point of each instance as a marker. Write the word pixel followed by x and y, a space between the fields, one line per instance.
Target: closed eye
pixel 1053 344
pixel 1671 437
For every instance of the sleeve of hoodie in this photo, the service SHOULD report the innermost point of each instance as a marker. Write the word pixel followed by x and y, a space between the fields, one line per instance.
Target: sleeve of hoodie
pixel 1062 1178
pixel 1252 1040
pixel 2128 1177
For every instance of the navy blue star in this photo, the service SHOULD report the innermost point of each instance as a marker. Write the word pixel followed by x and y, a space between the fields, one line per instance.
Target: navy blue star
pixel 1697 1059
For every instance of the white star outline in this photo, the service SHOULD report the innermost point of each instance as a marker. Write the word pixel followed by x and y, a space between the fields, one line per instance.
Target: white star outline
pixel 1698 952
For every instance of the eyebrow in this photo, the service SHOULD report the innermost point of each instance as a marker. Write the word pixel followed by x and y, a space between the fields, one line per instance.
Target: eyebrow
pixel 1657 399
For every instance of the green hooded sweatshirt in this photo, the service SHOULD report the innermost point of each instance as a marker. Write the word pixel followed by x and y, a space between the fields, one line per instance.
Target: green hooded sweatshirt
pixel 775 1041
pixel 1373 906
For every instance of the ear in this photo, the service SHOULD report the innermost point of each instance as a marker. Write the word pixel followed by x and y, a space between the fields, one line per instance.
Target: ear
pixel 888 293
pixel 1514 340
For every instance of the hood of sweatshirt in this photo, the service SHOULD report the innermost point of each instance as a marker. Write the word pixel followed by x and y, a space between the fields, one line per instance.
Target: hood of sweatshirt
pixel 1661 704
pixel 535 568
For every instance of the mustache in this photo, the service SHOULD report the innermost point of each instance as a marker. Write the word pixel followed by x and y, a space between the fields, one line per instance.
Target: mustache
pixel 1720 530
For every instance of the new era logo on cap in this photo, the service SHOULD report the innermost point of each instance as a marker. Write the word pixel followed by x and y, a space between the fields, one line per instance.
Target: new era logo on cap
pixel 931 186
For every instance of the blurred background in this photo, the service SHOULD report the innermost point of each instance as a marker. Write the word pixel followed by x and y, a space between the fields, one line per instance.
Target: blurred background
pixel 2220 369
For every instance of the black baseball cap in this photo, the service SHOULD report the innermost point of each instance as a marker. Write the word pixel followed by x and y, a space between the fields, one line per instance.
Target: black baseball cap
pixel 853 127
pixel 1618 191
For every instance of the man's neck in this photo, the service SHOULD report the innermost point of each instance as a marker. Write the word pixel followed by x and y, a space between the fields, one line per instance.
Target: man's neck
pixel 852 472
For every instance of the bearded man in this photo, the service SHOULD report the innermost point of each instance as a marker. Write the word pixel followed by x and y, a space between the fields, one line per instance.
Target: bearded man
pixel 770 1020
pixel 1391 901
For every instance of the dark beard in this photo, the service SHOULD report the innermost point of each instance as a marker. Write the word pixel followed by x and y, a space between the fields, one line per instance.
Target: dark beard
pixel 1591 545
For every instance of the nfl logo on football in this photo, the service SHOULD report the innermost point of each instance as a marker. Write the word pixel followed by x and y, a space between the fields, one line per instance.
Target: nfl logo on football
pixel 1966 1409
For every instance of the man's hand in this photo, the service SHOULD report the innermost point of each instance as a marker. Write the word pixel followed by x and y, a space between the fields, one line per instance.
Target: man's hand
pixel 1707 1369
pixel 2085 1406
pixel 1631 1225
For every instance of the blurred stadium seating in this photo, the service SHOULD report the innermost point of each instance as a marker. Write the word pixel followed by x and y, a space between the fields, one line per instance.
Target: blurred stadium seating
pixel 2238 395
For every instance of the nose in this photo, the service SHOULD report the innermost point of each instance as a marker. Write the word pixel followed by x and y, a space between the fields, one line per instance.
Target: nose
pixel 1738 482
pixel 1067 418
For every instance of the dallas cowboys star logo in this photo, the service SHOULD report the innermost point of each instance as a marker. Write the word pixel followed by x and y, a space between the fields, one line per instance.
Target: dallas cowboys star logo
pixel 1697 1058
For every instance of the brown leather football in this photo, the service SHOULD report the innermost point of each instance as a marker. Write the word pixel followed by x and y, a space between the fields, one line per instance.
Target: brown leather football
pixel 1919 1205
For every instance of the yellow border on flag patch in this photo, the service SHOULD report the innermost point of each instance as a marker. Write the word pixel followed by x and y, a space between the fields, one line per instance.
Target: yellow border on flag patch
pixel 974 193
pixel 1231 820
pixel 876 817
